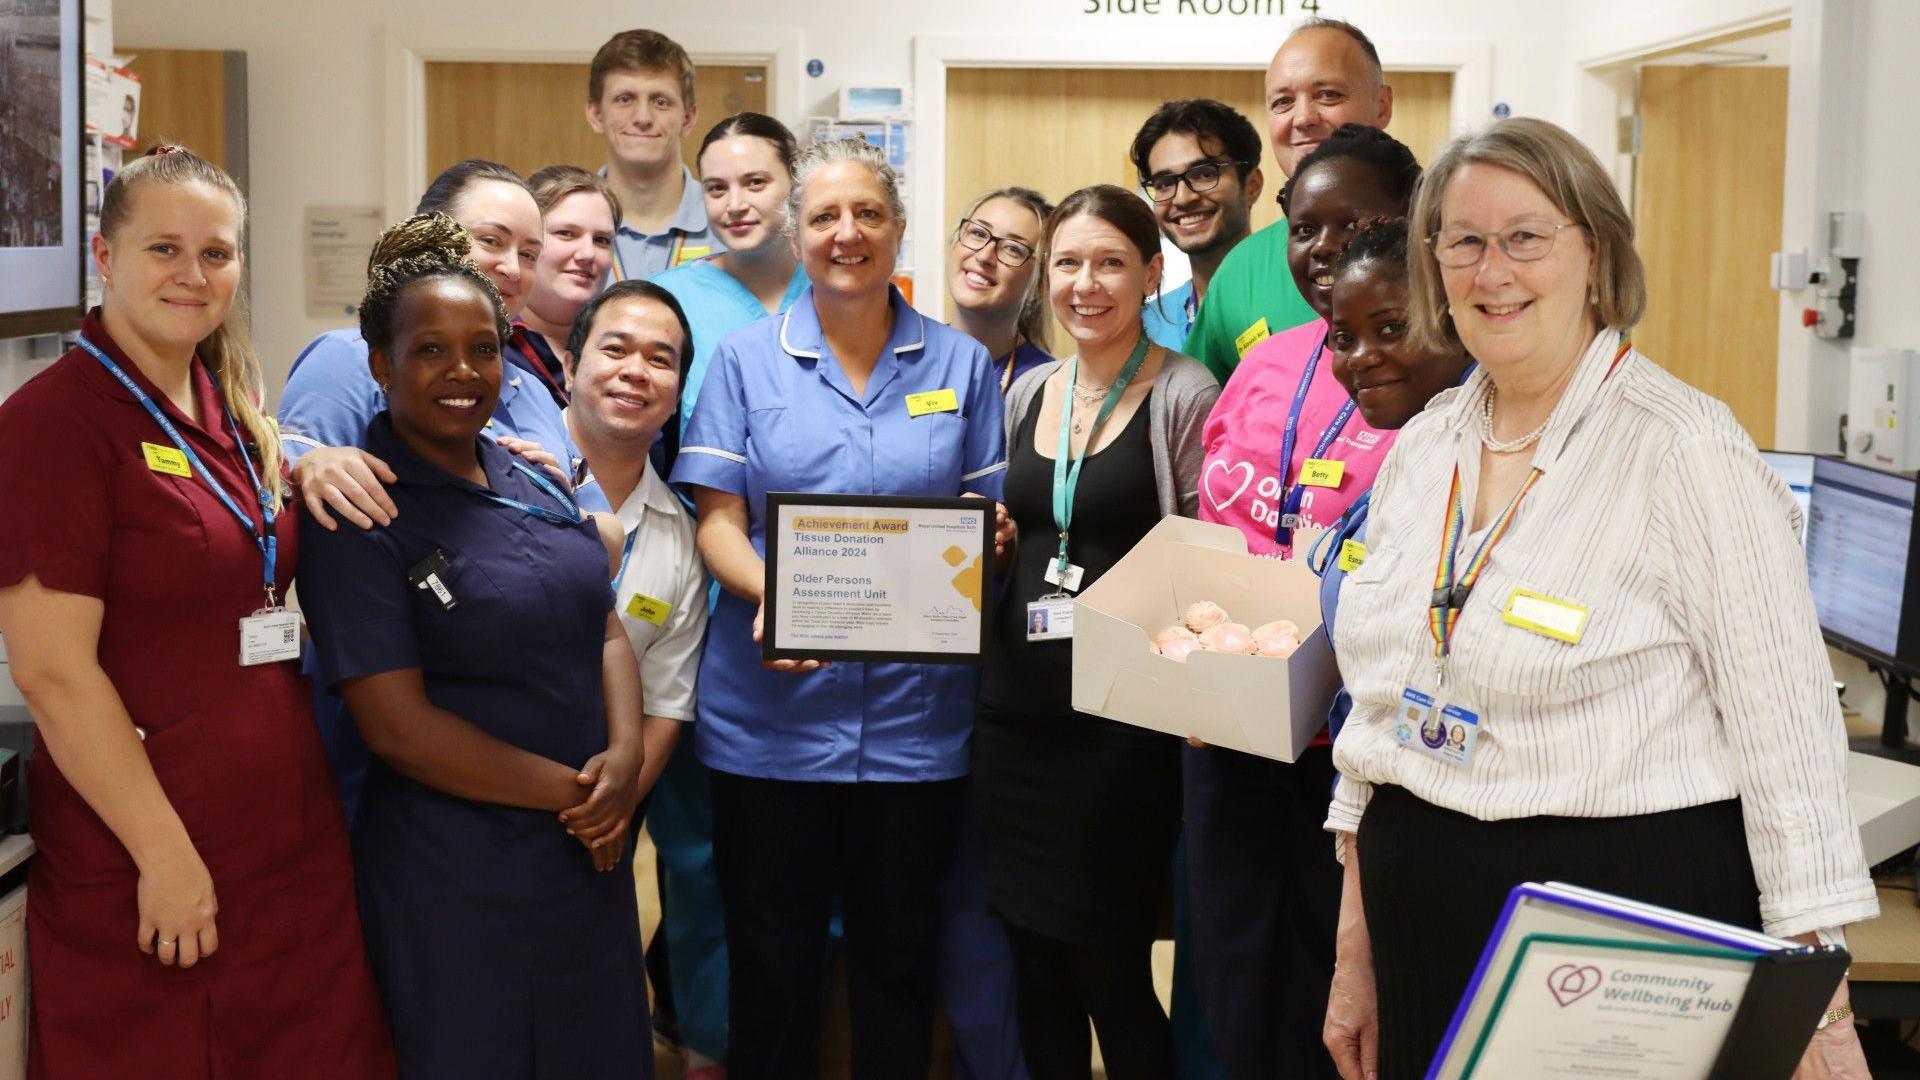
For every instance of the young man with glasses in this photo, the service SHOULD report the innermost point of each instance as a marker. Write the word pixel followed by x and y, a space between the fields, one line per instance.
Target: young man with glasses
pixel 1327 73
pixel 1199 162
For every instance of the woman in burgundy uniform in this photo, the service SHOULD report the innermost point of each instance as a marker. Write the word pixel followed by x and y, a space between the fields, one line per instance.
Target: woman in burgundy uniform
pixel 192 905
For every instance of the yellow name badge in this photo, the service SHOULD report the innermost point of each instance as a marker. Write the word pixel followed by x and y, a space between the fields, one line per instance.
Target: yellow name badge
pixel 1352 554
pixel 166 459
pixel 646 607
pixel 1252 335
pixel 933 401
pixel 1557 619
pixel 690 253
pixel 1319 472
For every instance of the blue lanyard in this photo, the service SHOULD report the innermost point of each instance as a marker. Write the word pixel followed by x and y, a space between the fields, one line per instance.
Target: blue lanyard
pixel 1066 468
pixel 571 517
pixel 263 534
pixel 1290 506
pixel 626 552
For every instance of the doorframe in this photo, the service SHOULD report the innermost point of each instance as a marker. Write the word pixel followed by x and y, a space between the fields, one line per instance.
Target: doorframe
pixel 410 47
pixel 1469 60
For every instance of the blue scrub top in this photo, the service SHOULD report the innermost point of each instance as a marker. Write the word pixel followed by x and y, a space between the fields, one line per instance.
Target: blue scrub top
pixel 716 305
pixel 686 238
pixel 1169 318
pixel 780 415
pixel 1351 526
pixel 331 398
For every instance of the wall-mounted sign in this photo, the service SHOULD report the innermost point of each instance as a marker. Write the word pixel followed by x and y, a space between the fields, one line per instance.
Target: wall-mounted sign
pixel 338 241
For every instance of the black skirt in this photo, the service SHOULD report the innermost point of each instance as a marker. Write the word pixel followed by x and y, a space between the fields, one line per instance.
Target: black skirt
pixel 1078 818
pixel 1434 881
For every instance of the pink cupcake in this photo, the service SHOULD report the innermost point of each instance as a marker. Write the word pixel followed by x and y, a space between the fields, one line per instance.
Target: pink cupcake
pixel 1228 637
pixel 1204 615
pixel 1178 649
pixel 1173 633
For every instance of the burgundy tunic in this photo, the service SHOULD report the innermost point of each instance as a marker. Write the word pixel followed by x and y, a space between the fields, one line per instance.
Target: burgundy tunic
pixel 288 994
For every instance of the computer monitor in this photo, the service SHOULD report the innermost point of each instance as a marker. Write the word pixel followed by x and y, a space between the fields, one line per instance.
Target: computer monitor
pixel 1860 537
pixel 1797 471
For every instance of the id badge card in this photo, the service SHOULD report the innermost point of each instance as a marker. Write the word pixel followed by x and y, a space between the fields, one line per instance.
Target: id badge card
pixel 1070 581
pixel 1050 618
pixel 1427 726
pixel 269 636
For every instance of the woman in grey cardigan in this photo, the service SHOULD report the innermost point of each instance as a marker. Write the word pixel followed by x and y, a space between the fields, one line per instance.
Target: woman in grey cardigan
pixel 1079 814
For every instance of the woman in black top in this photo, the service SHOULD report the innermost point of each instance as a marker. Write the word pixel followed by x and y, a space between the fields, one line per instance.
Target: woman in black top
pixel 1079 814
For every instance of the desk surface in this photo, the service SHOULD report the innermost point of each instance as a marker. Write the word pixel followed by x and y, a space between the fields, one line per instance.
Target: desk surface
pixel 1887 949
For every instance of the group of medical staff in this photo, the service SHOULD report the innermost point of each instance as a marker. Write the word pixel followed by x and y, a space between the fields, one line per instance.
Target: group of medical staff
pixel 522 501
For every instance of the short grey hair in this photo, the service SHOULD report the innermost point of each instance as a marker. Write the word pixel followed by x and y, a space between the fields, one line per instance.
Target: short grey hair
pixel 819 155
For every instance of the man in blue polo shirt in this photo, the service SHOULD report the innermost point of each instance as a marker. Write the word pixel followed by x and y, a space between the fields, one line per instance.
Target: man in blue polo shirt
pixel 1199 161
pixel 640 98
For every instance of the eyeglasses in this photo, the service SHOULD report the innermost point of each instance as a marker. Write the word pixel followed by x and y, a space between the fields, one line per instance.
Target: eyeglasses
pixel 1528 241
pixel 1202 177
pixel 1010 252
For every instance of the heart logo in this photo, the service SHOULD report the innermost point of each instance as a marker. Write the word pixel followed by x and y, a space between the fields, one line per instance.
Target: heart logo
pixel 1569 983
pixel 1228 472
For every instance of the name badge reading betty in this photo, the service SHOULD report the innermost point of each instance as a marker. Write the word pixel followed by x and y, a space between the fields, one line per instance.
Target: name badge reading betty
pixel 166 459
pixel 269 636
pixel 646 607
pixel 1251 336
pixel 1050 618
pixel 1543 615
pixel 1320 472
pixel 933 401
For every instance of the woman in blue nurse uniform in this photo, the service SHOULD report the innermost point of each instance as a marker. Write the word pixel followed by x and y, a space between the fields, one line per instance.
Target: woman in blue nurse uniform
pixel 505 778
pixel 832 779
pixel 746 172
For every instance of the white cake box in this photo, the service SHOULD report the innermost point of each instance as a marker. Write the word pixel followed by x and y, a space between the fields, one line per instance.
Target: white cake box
pixel 1261 705
pixel 1886 802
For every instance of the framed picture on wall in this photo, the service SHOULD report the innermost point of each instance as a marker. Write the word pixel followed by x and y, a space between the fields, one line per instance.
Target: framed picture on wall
pixel 42 228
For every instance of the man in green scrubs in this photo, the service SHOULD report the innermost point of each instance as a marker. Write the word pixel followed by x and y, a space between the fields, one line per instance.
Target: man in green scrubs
pixel 1326 74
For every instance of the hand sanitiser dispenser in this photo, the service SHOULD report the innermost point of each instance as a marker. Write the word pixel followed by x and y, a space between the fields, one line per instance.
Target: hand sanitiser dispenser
pixel 1883 393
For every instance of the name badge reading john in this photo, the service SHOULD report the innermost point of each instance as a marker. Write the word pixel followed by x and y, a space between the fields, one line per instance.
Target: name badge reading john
pixel 646 607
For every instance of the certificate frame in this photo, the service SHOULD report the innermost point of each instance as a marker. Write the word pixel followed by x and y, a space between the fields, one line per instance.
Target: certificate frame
pixel 776 543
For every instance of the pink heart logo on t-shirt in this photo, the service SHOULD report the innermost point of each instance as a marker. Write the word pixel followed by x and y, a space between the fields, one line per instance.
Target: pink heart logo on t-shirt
pixel 1569 983
pixel 1221 466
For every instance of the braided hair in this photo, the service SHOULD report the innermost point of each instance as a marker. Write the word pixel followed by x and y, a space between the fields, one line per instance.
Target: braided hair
pixel 1380 240
pixel 421 248
pixel 1399 170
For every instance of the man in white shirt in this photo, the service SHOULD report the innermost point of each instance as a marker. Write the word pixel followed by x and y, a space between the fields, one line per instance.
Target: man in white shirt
pixel 626 357
pixel 640 98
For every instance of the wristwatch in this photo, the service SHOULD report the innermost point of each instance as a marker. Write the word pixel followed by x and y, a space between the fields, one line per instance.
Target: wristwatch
pixel 1834 1016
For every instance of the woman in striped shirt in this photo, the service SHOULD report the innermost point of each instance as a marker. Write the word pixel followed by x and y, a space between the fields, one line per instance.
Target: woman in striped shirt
pixel 1639 678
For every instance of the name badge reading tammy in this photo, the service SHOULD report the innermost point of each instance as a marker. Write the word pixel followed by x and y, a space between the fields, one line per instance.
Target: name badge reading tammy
pixel 166 459
pixel 270 636
pixel 1543 615
pixel 933 401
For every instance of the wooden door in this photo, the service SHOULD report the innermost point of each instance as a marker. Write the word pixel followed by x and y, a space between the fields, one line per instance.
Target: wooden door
pixel 183 100
pixel 532 115
pixel 1060 129
pixel 1708 197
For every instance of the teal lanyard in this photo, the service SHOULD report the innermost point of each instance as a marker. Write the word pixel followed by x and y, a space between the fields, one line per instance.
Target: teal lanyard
pixel 1066 468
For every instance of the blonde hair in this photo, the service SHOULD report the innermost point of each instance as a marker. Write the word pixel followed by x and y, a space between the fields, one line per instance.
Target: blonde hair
pixel 1033 306
pixel 555 183
pixel 423 246
pixel 228 351
pixel 1570 176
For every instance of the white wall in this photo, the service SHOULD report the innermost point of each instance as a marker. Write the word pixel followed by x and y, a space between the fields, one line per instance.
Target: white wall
pixel 316 74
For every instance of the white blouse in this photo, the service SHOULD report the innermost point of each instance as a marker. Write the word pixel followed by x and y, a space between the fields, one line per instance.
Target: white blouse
pixel 1700 674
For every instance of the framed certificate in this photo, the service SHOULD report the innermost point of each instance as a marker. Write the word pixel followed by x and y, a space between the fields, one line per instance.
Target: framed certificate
pixel 891 578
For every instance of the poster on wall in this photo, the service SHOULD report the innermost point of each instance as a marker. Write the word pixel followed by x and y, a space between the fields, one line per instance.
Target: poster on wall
pixel 113 103
pixel 41 239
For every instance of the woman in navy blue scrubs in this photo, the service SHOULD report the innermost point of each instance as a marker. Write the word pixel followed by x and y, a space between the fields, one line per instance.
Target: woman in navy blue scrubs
pixel 503 775
pixel 840 779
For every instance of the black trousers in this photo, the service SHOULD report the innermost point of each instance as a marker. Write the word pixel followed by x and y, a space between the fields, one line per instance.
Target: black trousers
pixel 784 850
pixel 1433 883
pixel 1264 891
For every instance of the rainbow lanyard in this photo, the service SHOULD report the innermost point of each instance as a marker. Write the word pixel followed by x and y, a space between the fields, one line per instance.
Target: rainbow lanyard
pixel 1450 593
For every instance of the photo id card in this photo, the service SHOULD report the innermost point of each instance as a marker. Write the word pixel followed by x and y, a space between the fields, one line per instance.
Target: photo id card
pixel 1050 618
pixel 270 636
pixel 1446 732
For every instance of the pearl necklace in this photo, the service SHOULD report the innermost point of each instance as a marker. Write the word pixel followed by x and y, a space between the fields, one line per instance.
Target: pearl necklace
pixel 1495 445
